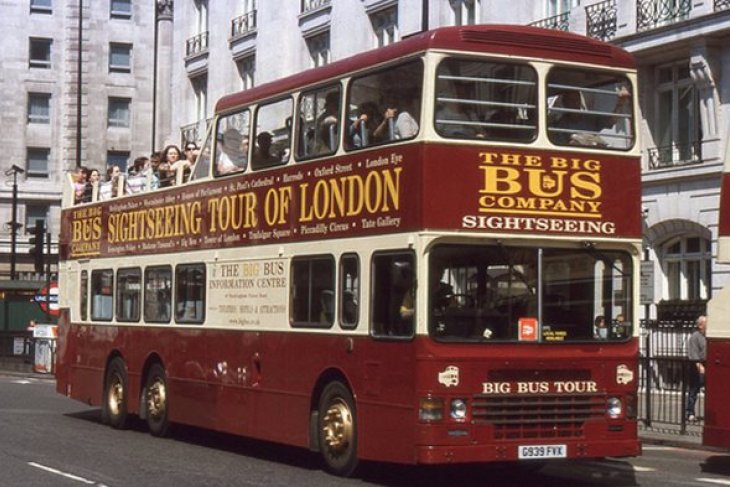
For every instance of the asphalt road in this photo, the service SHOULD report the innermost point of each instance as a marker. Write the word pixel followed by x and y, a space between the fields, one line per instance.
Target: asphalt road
pixel 48 440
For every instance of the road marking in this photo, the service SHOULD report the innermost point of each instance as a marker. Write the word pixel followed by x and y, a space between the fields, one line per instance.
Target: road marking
pixel 65 474
pixel 20 381
pixel 657 448
pixel 714 481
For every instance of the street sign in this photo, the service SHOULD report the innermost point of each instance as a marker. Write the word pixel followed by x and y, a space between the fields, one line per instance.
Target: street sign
pixel 47 299
pixel 646 282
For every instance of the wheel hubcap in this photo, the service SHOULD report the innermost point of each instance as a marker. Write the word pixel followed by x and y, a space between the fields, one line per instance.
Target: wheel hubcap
pixel 337 428
pixel 116 395
pixel 156 399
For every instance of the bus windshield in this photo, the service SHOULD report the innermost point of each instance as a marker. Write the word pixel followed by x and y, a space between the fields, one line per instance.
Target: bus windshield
pixel 498 293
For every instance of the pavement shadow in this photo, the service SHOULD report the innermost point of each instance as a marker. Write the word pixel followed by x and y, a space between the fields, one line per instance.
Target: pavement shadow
pixel 717 464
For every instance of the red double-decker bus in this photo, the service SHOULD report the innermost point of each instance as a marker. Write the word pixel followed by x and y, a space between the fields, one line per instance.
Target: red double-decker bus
pixel 716 430
pixel 426 253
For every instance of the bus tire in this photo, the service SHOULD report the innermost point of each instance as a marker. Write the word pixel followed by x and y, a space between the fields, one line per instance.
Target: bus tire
pixel 157 401
pixel 114 406
pixel 337 430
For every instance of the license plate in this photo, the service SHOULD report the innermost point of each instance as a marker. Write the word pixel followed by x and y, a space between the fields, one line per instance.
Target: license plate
pixel 528 452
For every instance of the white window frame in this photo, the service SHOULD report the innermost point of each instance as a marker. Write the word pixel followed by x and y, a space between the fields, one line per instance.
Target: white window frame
pixel 319 49
pixel 42 103
pixel 44 63
pixel 247 71
pixel 35 212
pixel 385 26
pixel 120 14
pixel 465 12
pixel 676 87
pixel 200 96
pixel 559 7
pixel 41 6
pixel 686 275
pixel 119 122
pixel 31 162
pixel 117 48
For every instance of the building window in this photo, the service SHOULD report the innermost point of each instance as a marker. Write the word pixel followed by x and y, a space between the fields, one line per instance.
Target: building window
pixel 200 98
pixel 41 6
pixel 686 262
pixel 117 158
pixel 120 9
pixel 677 131
pixel 319 49
pixel 385 26
pixel 247 72
pixel 201 16
pixel 120 58
pixel 119 112
pixel 35 213
pixel 559 7
pixel 39 108
pixel 40 53
pixel 465 12
pixel 37 162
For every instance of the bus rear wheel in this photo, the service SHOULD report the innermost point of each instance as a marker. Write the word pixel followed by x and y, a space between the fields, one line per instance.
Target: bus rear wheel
pixel 114 409
pixel 157 401
pixel 337 428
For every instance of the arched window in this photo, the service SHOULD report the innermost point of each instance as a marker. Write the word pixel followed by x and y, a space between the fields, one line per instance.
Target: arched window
pixel 686 262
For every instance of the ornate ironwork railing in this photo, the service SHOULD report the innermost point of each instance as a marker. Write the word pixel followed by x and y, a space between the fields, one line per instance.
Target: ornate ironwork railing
pixel 309 5
pixel 243 24
pixel 655 13
pixel 556 22
pixel 675 155
pixel 197 44
pixel 601 20
pixel 722 4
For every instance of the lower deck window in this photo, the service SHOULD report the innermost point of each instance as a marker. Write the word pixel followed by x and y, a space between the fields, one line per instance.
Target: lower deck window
pixel 393 295
pixel 312 293
pixel 102 294
pixel 190 293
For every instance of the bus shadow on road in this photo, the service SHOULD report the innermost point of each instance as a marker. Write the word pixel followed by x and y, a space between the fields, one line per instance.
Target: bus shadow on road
pixel 717 464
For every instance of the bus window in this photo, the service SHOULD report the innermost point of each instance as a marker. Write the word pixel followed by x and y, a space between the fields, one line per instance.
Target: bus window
pixel 84 295
pixel 202 163
pixel 190 293
pixel 232 144
pixel 129 290
pixel 349 290
pixel 393 295
pixel 157 294
pixel 102 294
pixel 273 135
pixel 385 106
pixel 312 291
pixel 319 116
pixel 589 108
pixel 528 294
pixel 486 100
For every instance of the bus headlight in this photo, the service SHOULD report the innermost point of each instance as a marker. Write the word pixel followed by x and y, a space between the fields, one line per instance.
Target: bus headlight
pixel 614 408
pixel 458 409
pixel 431 409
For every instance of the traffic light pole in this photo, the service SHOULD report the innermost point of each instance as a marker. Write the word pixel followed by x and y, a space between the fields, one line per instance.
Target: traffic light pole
pixel 14 171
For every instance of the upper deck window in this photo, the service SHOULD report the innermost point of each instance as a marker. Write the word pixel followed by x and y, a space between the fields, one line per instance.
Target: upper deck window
pixel 273 134
pixel 232 142
pixel 319 115
pixel 590 109
pixel 486 100
pixel 385 106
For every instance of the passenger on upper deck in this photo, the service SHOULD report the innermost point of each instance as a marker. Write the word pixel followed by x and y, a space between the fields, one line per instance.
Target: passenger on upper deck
pixel 577 123
pixel 326 138
pixel 169 156
pixel 398 123
pixel 262 155
pixel 233 153
pixel 360 128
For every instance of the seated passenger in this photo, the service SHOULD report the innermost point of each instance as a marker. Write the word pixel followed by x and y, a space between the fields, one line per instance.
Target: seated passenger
pixel 233 153
pixel 327 123
pixel 361 127
pixel 262 156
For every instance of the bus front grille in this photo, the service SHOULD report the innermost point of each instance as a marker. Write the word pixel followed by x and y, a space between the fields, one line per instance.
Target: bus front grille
pixel 545 416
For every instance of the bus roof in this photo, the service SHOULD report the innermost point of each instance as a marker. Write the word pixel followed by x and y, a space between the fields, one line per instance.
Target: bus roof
pixel 515 40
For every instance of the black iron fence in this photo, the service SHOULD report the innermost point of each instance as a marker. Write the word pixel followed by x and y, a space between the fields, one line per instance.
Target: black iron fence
pixel 664 377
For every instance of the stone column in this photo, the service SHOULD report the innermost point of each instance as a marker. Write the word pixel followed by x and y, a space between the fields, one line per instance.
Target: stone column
pixel 163 73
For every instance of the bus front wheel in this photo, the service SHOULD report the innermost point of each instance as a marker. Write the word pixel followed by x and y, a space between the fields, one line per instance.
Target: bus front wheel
pixel 157 401
pixel 114 409
pixel 338 429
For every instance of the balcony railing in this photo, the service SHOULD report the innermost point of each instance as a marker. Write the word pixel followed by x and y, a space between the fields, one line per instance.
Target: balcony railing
pixel 197 44
pixel 601 20
pixel 556 22
pixel 243 24
pixel 675 155
pixel 309 5
pixel 656 13
pixel 194 132
pixel 722 4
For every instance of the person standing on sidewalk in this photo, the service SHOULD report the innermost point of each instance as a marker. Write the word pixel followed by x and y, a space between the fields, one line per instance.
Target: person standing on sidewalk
pixel 697 354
